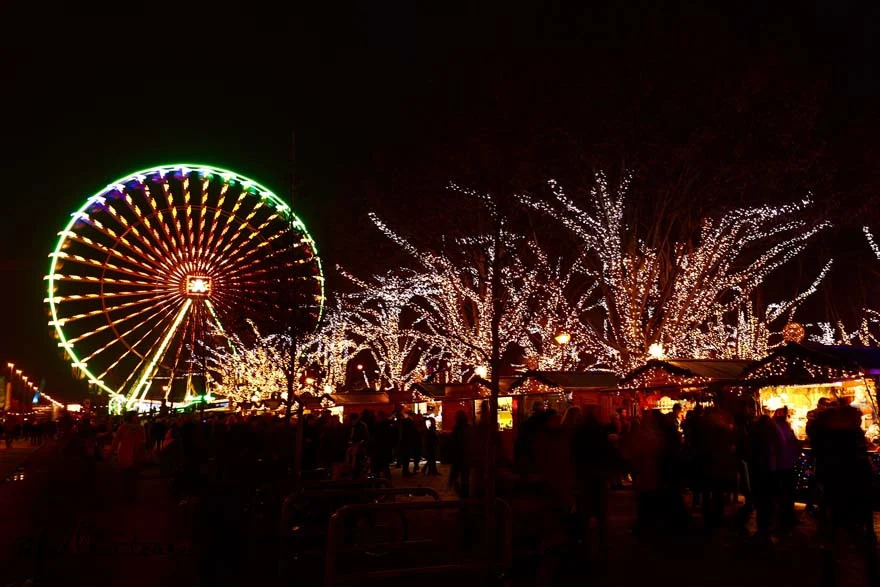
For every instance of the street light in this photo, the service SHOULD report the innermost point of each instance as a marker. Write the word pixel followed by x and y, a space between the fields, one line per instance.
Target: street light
pixel 655 351
pixel 562 339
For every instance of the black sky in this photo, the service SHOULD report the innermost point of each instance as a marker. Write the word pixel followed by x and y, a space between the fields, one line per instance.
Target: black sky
pixel 758 103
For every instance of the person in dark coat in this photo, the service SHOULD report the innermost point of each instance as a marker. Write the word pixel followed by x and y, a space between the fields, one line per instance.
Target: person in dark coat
pixel 431 439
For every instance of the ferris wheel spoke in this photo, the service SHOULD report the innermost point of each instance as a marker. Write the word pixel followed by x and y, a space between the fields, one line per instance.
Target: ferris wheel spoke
pixel 129 351
pixel 109 294
pixel 143 357
pixel 173 222
pixel 120 234
pixel 112 251
pixel 128 317
pixel 156 353
pixel 75 258
pixel 109 310
pixel 169 243
pixel 160 215
pixel 215 250
pixel 130 228
pixel 240 255
pixel 240 239
pixel 98 280
pixel 160 315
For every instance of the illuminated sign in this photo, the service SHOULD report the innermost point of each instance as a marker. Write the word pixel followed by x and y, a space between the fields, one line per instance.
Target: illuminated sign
pixel 197 285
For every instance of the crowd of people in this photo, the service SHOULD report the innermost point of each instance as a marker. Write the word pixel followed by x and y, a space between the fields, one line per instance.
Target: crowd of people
pixel 32 429
pixel 677 464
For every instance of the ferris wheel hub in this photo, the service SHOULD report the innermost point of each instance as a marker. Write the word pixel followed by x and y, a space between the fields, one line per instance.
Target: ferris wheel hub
pixel 198 286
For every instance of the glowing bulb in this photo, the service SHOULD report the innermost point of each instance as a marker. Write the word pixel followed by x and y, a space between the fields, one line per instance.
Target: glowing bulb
pixel 481 372
pixel 656 351
pixel 563 338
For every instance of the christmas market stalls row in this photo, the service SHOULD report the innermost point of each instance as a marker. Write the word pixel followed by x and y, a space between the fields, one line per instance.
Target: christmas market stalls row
pixel 795 376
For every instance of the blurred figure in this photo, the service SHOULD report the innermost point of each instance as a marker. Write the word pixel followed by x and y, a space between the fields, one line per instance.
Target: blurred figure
pixel 644 452
pixel 814 492
pixel 431 439
pixel 765 450
pixel 591 456
pixel 128 444
pixel 842 458
pixel 789 453
pixel 459 474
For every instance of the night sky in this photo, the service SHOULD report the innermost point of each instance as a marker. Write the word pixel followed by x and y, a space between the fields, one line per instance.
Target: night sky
pixel 748 104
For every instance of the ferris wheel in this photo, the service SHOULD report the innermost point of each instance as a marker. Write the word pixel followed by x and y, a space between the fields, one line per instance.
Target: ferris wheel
pixel 162 264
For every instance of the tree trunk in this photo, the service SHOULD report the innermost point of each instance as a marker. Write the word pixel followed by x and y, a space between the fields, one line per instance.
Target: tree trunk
pixel 492 425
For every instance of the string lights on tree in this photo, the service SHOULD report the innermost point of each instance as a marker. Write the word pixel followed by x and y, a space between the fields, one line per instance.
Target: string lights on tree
pixel 253 372
pixel 383 316
pixel 654 290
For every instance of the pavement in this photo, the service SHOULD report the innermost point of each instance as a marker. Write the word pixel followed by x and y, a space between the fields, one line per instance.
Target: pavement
pixel 690 557
pixel 13 457
pixel 68 522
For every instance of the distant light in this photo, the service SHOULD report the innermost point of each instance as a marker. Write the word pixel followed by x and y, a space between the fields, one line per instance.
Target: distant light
pixel 481 372
pixel 309 381
pixel 74 408
pixel 656 351
pixel 328 389
pixel 563 338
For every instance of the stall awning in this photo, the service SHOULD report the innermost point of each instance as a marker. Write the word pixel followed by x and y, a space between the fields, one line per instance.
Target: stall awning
pixel 795 364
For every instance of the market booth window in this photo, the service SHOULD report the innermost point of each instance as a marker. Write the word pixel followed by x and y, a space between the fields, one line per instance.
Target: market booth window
pixel 801 399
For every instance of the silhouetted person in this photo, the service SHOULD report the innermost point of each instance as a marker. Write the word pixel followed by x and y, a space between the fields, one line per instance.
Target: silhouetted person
pixel 431 439
pixel 840 449
pixel 459 473
pixel 762 472
pixel 591 455
pixel 789 454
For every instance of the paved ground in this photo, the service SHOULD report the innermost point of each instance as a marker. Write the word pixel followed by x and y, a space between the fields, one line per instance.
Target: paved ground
pixel 65 523
pixel 11 458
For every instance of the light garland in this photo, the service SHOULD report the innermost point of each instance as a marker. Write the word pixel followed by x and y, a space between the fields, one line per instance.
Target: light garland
pixel 672 292
pixel 30 383
pixel 383 316
pixel 255 372
pixel 453 302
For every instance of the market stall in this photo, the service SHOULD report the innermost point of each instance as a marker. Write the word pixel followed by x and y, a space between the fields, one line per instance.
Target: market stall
pixel 660 384
pixel 355 402
pixel 561 389
pixel 799 375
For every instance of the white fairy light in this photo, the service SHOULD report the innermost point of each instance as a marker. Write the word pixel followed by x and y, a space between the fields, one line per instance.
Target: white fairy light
pixel 672 293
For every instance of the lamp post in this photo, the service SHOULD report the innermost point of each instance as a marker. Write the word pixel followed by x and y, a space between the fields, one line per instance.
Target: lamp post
pixel 562 339
pixel 7 391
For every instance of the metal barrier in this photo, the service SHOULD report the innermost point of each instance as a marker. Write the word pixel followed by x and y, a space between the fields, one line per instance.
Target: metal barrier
pixel 317 487
pixel 305 538
pixel 455 554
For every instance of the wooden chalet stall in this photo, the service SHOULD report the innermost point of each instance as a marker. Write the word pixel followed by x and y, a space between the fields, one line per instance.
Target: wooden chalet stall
pixel 355 402
pixel 559 389
pixel 660 384
pixel 314 403
pixel 798 375
pixel 447 399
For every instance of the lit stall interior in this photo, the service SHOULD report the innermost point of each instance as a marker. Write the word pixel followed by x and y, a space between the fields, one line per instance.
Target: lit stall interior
pixel 800 399
pixel 505 412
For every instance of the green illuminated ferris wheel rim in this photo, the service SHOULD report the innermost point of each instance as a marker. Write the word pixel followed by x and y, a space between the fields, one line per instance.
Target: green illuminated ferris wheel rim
pixel 160 255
